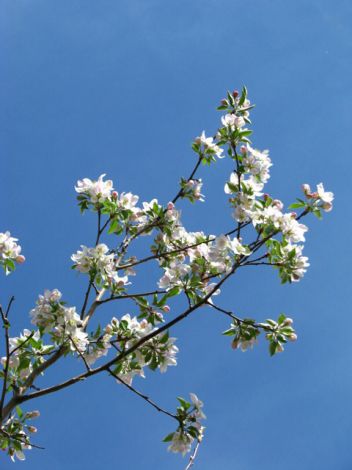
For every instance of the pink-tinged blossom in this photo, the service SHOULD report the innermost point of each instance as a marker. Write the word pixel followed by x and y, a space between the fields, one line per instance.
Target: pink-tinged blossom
pixel 98 191
pixel 322 199
pixel 326 197
pixel 291 229
pixel 232 121
pixel 192 190
pixel 61 322
pixel 208 145
pixel 9 252
pixel 99 262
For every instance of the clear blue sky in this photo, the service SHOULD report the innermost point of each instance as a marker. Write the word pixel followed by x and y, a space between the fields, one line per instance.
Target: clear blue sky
pixel 122 88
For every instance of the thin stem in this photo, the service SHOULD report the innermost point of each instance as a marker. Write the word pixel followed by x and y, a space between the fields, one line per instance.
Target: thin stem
pixel 179 194
pixel 8 435
pixel 145 397
pixel 130 296
pixel 193 456
pixel 176 250
pixel 79 353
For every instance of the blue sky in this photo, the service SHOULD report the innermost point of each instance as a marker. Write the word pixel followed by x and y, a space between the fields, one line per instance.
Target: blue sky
pixel 122 88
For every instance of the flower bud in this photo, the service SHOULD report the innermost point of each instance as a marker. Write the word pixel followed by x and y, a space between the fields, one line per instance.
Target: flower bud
pixel 108 329
pixel 306 189
pixel 224 102
pixel 20 259
pixel 166 309
pixel 170 206
pixel 243 149
pixel 235 93
pixel 293 215
pixel 114 194
pixel 32 414
pixel 279 348
pixel 292 337
pixel 277 203
pixel 32 429
pixel 288 321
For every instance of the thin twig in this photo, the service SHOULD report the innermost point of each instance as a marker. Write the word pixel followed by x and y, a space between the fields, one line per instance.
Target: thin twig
pixel 79 353
pixel 145 397
pixel 193 456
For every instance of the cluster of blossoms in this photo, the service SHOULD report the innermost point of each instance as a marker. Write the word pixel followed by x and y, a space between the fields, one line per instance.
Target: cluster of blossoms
pixel 157 353
pixel 94 192
pixel 192 259
pixel 100 265
pixel 207 148
pixel 26 352
pixel 189 414
pixel 15 433
pixel 61 322
pixel 319 199
pixel 278 333
pixel 10 252
pixel 191 189
pixel 245 333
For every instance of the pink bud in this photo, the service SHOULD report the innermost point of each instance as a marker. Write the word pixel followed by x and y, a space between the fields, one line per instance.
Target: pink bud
pixel 114 194
pixel 277 203
pixel 265 196
pixel 243 149
pixel 293 337
pixel 293 215
pixel 166 309
pixel 235 93
pixel 288 321
pixel 306 189
pixel 20 259
pixel 170 206
pixel 224 102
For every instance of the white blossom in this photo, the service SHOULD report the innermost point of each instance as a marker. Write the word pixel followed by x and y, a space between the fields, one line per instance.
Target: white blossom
pixel 97 191
pixel 257 163
pixel 63 323
pixel 233 121
pixel 208 144
pixel 181 442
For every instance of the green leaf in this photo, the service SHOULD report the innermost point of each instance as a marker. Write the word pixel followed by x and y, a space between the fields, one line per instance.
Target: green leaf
pixel 19 412
pixel 169 437
pixel 243 96
pixel 272 348
pixel 113 226
pixel 296 205
pixel 185 405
